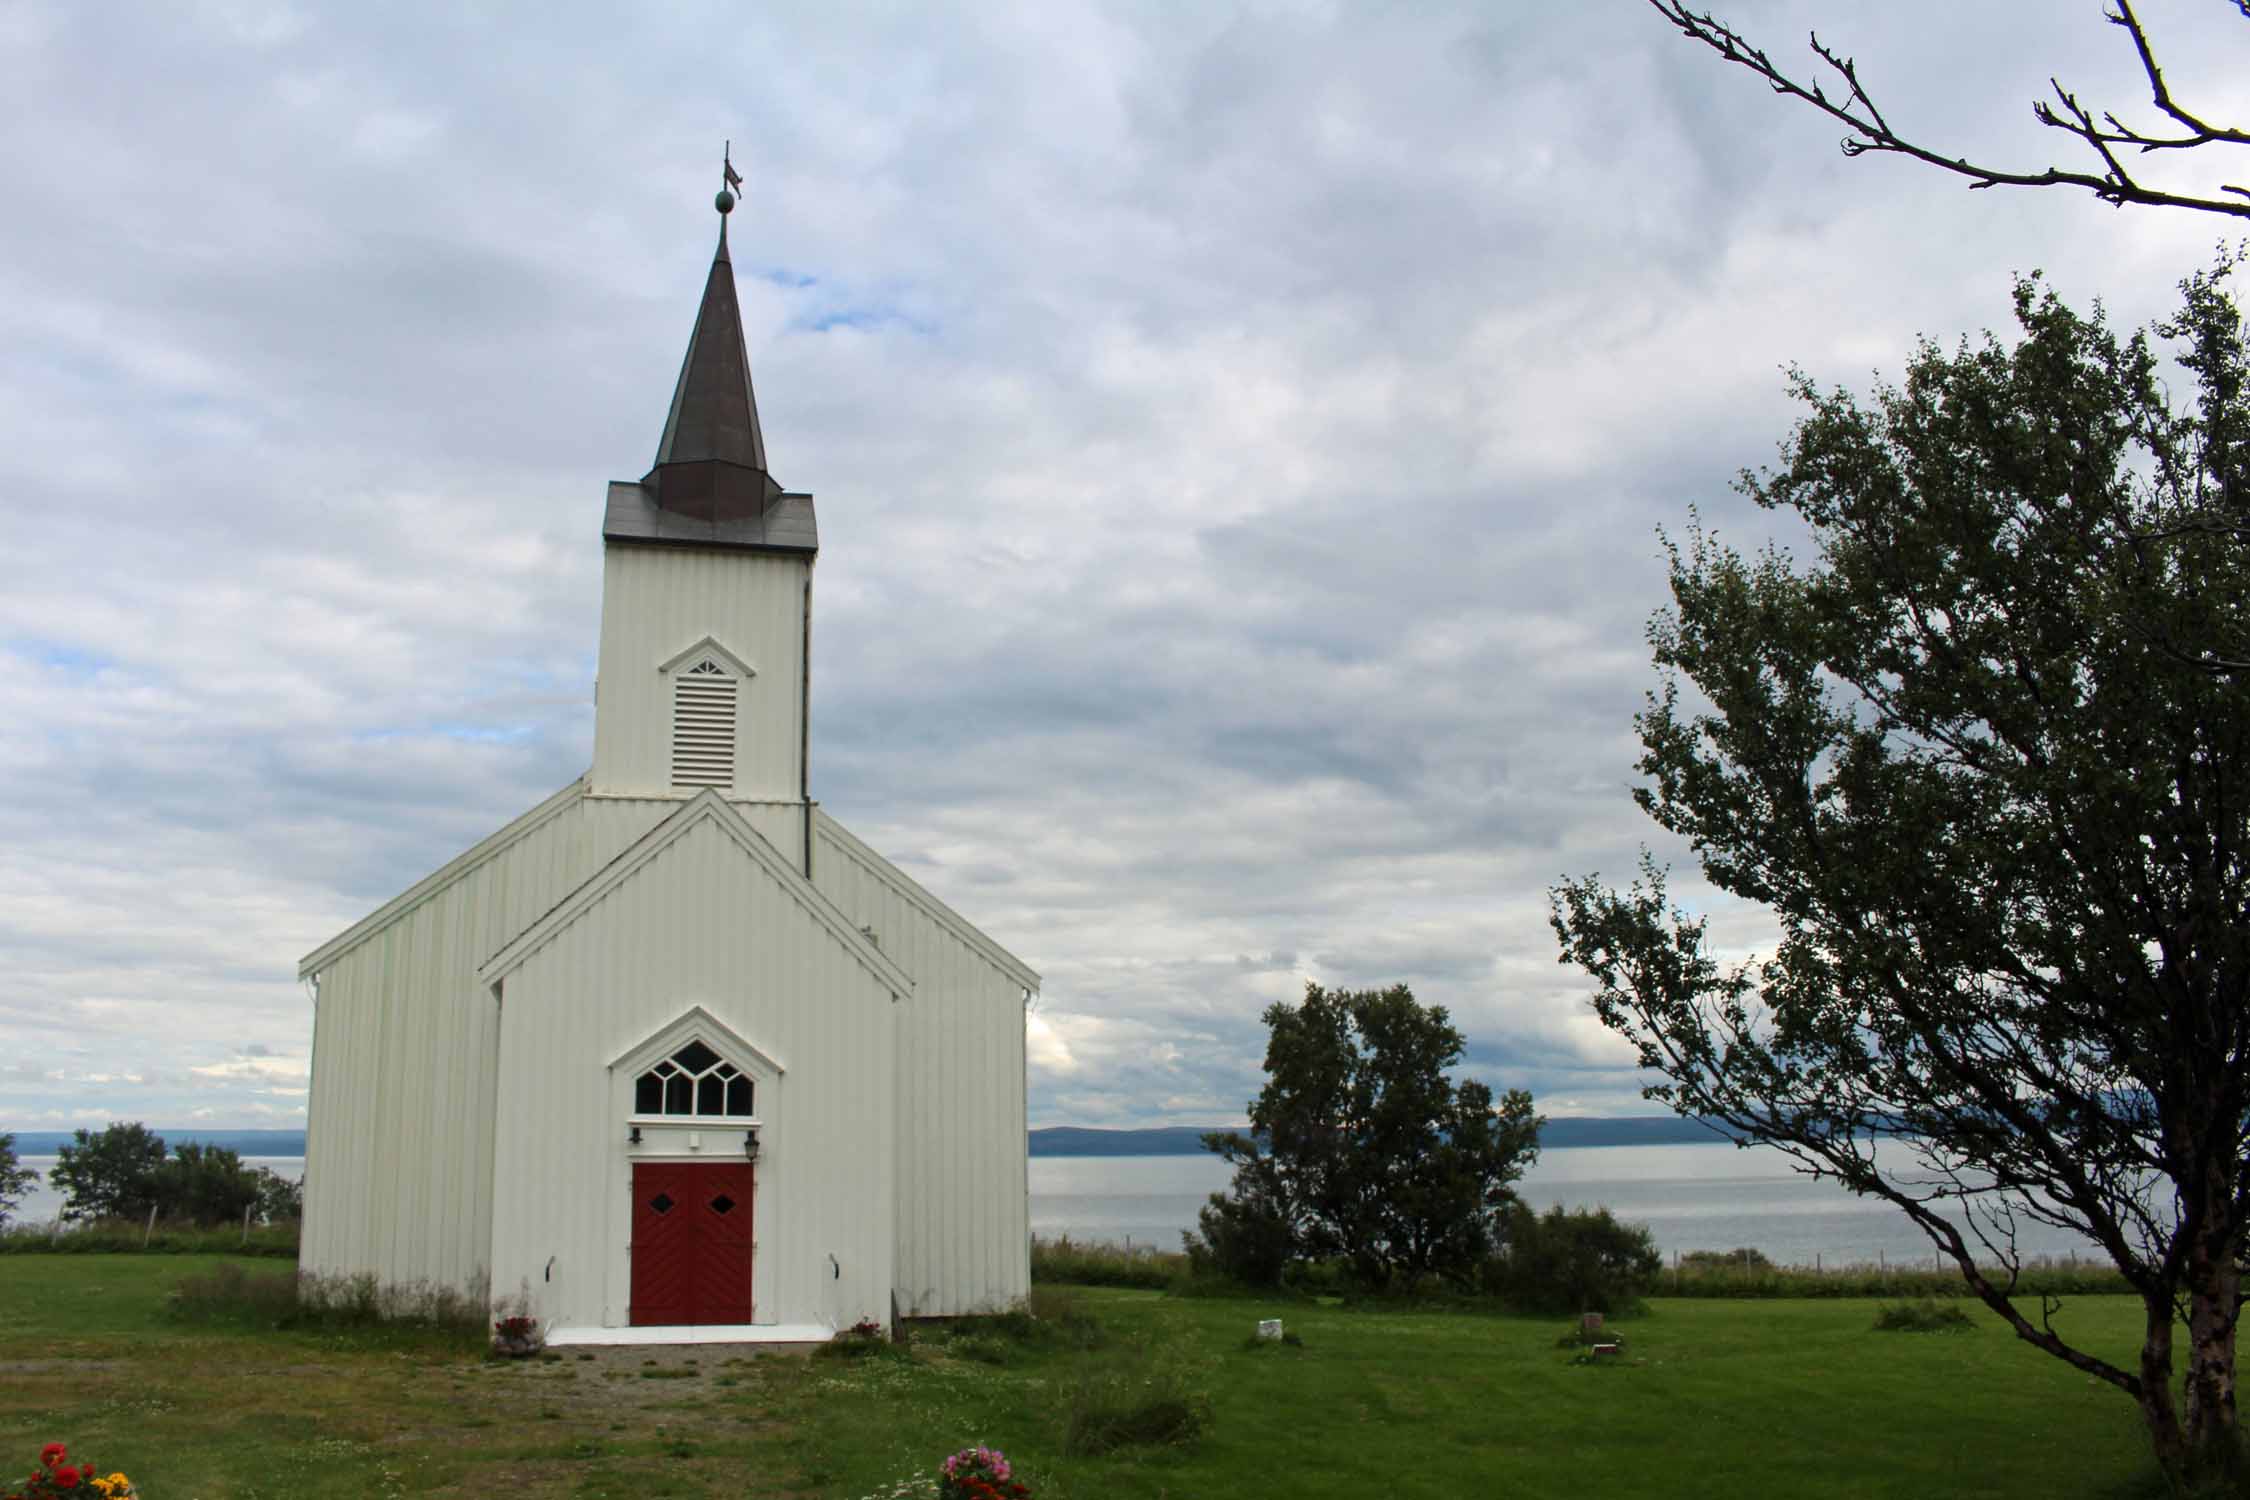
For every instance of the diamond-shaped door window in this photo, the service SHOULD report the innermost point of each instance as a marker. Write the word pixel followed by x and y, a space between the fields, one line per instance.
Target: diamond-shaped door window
pixel 662 1203
pixel 722 1204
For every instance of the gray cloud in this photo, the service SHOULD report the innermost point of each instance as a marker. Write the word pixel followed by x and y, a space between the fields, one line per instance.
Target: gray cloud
pixel 1240 439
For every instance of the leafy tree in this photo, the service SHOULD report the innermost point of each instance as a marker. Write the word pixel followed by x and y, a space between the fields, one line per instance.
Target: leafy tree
pixel 1573 1261
pixel 2000 817
pixel 205 1185
pixel 109 1174
pixel 15 1178
pixel 1361 1146
pixel 280 1198
pixel 1252 1232
pixel 2112 144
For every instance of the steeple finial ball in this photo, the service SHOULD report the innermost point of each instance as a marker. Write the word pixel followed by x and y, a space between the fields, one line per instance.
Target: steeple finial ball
pixel 724 202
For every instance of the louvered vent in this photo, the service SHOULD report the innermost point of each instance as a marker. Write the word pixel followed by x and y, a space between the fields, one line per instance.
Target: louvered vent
pixel 703 727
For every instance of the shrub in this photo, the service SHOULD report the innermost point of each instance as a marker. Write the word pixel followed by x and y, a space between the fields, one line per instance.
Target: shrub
pixel 1141 1400
pixel 1926 1316
pixel 227 1293
pixel 15 1178
pixel 1582 1260
pixel 1741 1258
pixel 860 1341
pixel 1244 1237
pixel 1096 1264
pixel 306 1301
pixel 128 1236
pixel 2061 1278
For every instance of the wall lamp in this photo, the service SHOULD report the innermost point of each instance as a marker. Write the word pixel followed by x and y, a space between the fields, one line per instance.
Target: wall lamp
pixel 633 1138
pixel 750 1145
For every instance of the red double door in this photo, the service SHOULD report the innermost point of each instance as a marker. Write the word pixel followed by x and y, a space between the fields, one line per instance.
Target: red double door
pixel 691 1242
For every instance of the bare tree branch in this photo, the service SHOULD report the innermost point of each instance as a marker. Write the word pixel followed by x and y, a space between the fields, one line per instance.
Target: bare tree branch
pixel 1872 132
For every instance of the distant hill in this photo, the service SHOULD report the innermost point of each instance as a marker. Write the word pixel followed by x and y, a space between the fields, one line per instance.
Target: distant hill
pixel 240 1142
pixel 1187 1140
pixel 1082 1140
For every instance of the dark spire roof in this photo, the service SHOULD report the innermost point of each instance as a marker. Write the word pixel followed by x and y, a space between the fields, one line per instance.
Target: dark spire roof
pixel 709 482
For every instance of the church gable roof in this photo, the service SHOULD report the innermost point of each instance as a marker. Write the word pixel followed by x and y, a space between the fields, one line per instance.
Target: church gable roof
pixel 842 841
pixel 432 884
pixel 706 808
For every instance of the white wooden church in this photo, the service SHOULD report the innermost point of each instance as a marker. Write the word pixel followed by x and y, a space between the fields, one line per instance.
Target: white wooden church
pixel 673 1050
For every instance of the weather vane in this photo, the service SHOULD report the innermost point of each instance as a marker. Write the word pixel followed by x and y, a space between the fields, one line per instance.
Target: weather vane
pixel 733 179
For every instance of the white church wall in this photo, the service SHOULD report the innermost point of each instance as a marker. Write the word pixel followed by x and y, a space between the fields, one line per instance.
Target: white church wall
pixel 398 1148
pixel 700 924
pixel 658 601
pixel 963 1200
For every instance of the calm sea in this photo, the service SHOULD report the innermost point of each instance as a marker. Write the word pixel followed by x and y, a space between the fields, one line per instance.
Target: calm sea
pixel 1693 1197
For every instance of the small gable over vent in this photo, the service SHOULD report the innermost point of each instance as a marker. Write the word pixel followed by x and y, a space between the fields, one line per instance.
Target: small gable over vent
pixel 703 720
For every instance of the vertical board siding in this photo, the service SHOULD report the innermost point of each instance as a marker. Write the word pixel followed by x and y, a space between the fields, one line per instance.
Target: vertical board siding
pixel 700 924
pixel 421 1084
pixel 658 601
pixel 963 1215
pixel 398 1147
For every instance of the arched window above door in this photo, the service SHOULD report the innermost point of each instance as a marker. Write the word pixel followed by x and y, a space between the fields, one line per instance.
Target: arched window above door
pixel 695 1082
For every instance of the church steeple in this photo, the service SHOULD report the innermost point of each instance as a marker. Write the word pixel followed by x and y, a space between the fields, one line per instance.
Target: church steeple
pixel 709 483
pixel 712 459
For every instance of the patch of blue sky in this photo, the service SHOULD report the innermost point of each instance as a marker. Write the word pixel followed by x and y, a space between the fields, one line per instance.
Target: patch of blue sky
pixel 782 276
pixel 62 656
pixel 871 316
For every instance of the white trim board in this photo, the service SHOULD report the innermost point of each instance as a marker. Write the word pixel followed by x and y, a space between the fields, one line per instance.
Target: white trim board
pixel 429 885
pixel 706 806
pixel 698 1333
pixel 848 844
pixel 714 646
pixel 659 1043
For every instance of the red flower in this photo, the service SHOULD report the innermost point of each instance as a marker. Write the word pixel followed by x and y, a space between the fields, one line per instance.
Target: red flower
pixel 66 1478
pixel 52 1454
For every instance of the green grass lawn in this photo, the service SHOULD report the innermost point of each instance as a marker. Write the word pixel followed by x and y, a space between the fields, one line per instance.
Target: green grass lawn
pixel 1719 1399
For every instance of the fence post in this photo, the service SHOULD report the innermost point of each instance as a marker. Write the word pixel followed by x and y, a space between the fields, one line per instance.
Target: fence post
pixel 246 1223
pixel 151 1226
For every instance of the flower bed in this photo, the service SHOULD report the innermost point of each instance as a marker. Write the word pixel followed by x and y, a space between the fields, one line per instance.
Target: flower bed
pixel 83 1480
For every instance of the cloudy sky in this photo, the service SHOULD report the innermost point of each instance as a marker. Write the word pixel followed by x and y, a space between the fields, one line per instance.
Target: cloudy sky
pixel 1240 435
